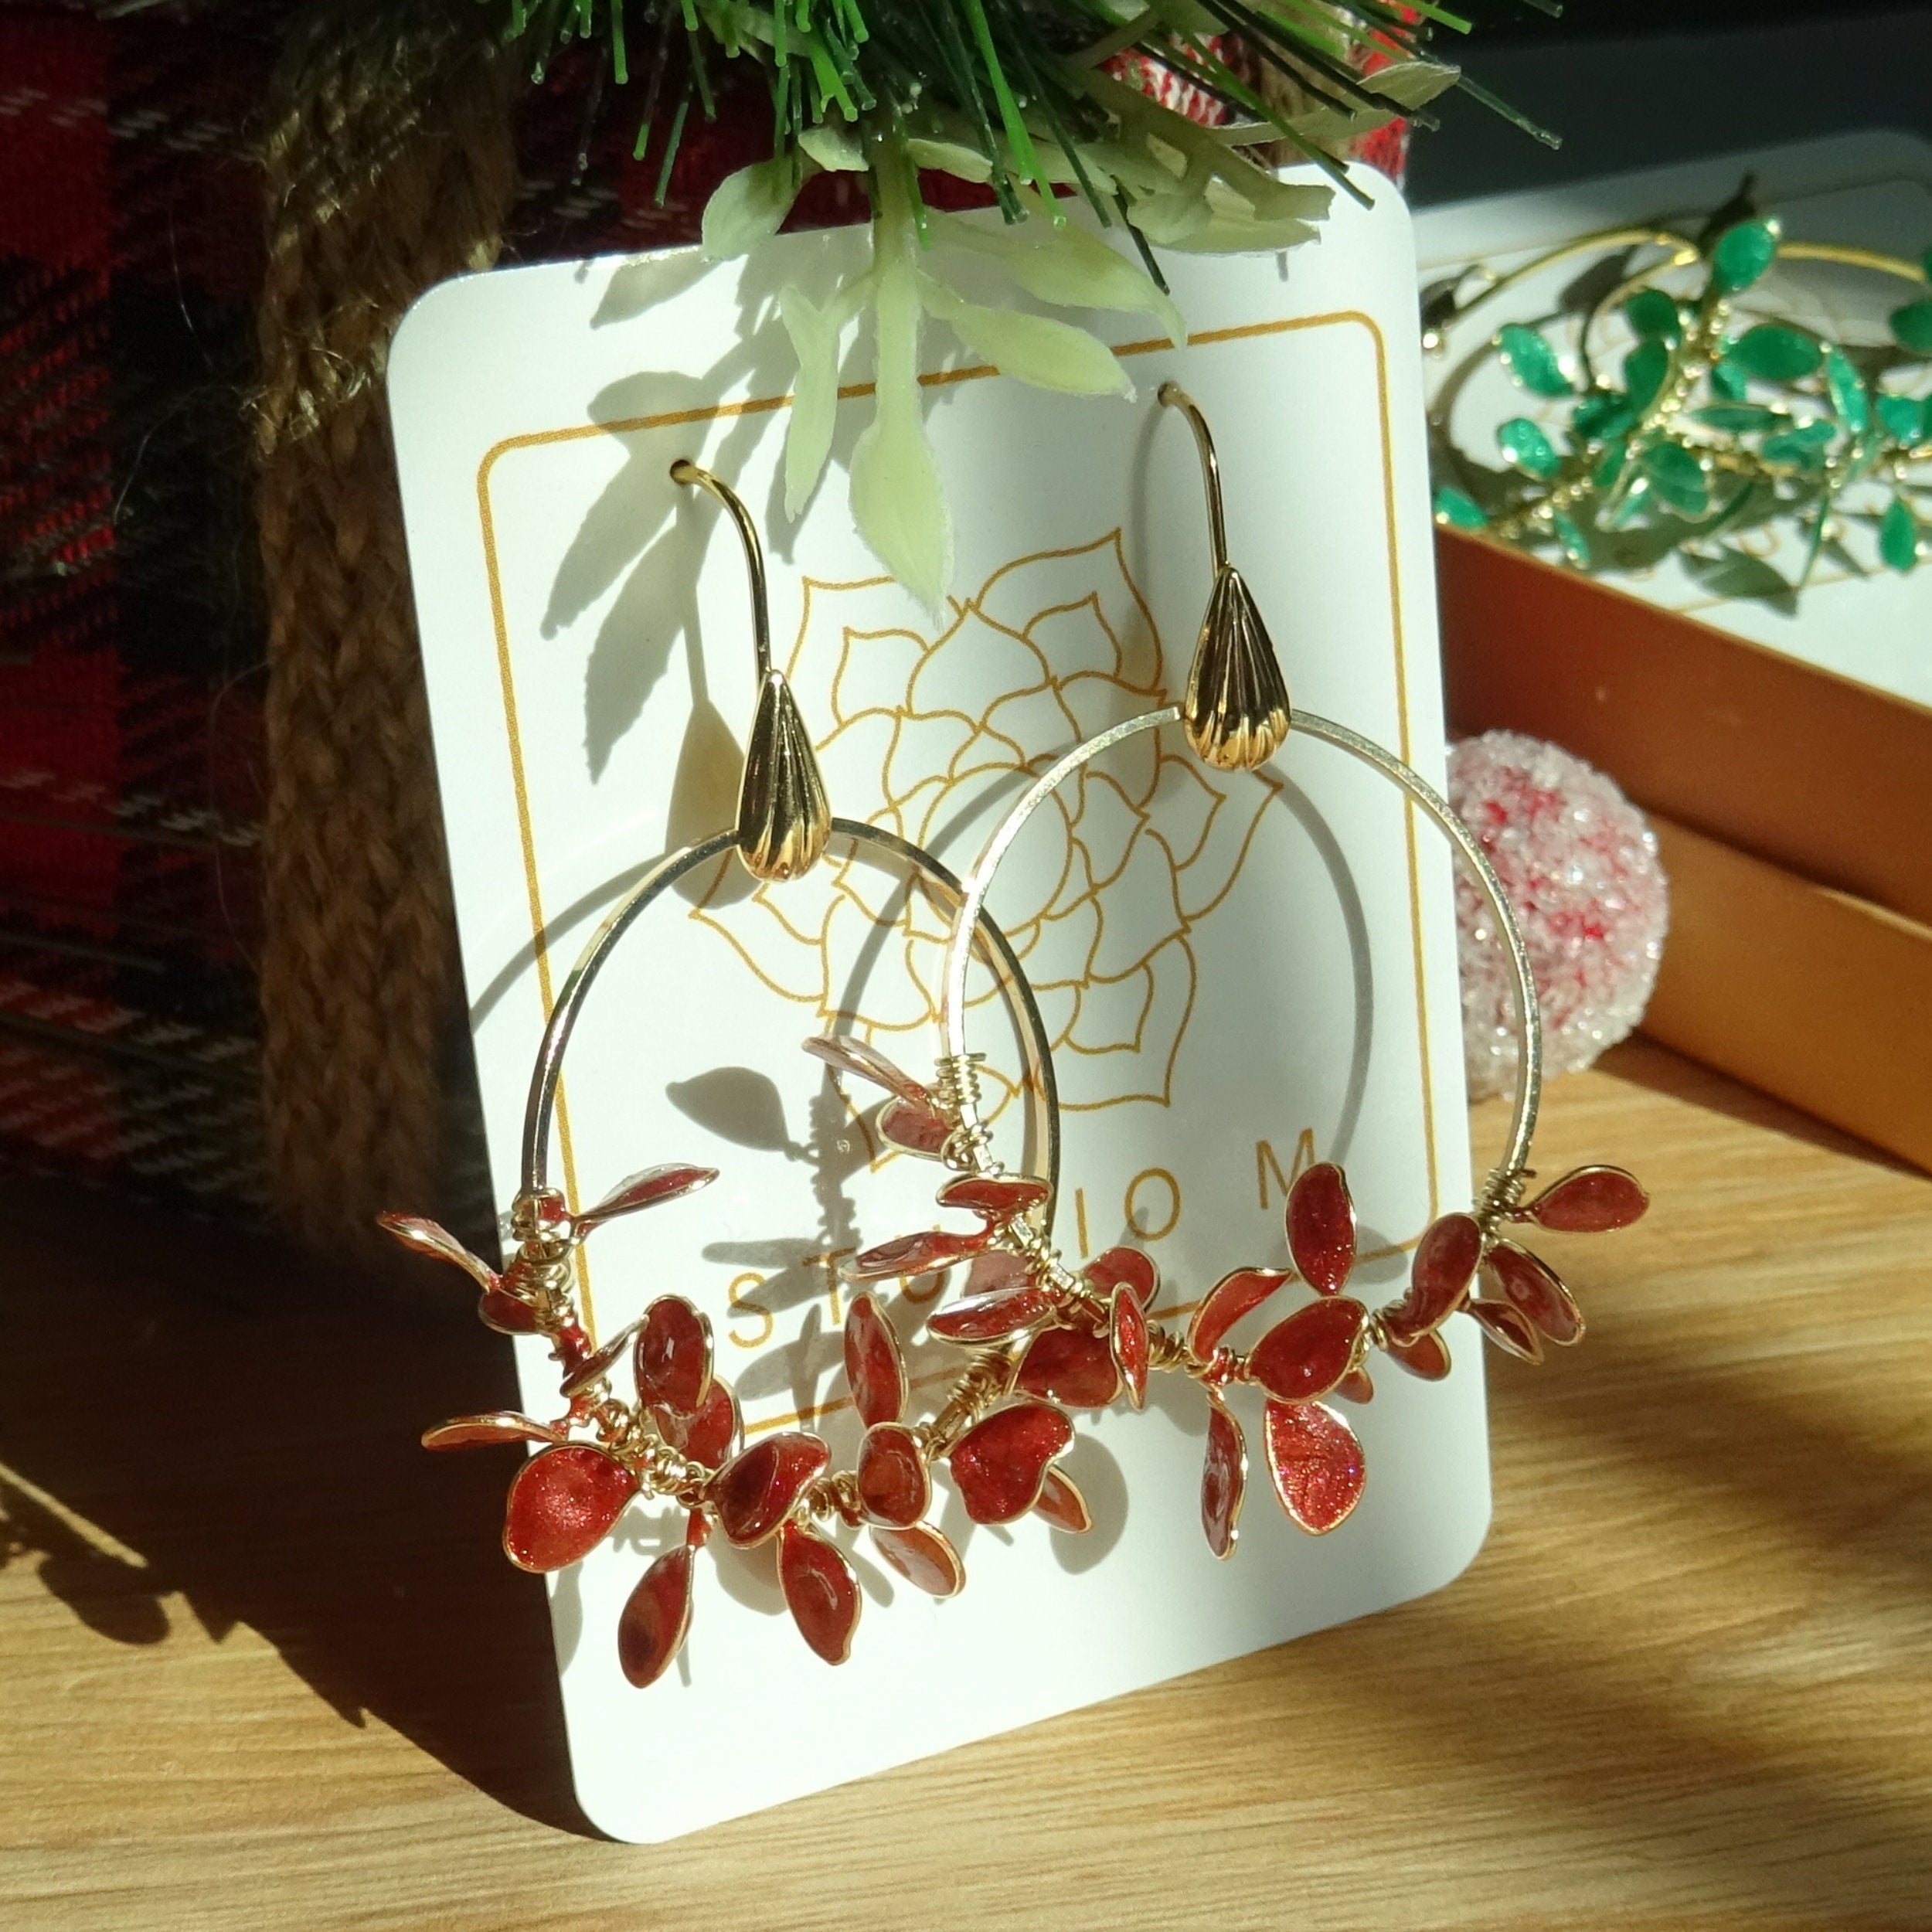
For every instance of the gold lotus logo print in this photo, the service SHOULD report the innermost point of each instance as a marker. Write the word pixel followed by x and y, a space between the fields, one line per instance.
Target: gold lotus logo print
pixel 1144 844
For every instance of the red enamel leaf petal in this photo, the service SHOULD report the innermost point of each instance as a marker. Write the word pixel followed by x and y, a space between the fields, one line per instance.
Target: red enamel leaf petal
pixel 756 1490
pixel 561 1504
pixel 1532 1285
pixel 1440 1276
pixel 915 1254
pixel 991 1318
pixel 1356 1386
pixel 427 1237
pixel 1307 1355
pixel 1230 1298
pixel 500 1425
pixel 894 1483
pixel 821 1591
pixel 592 1366
pixel 1592 1200
pixel 1000 1463
pixel 1427 1356
pixel 1070 1365
pixel 1127 1336
pixel 651 1626
pixel 1123 1268
pixel 917 1126
pixel 997 1269
pixel 647 1189
pixel 709 1436
pixel 1224 1479
pixel 874 1370
pixel 1507 1326
pixel 998 1196
pixel 673 1361
pixel 924 1557
pixel 506 1314
pixel 1321 1227
pixel 845 1055
pixel 1316 1462
pixel 1062 1505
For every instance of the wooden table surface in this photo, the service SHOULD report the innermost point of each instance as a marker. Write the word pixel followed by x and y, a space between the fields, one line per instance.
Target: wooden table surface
pixel 261 1666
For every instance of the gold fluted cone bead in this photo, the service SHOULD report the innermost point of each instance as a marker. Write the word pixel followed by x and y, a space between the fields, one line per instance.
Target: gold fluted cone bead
pixel 1236 712
pixel 783 818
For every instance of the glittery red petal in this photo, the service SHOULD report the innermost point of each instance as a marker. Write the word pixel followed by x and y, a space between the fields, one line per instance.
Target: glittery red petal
pixel 916 1254
pixel 1072 1365
pixel 1426 1356
pixel 1230 1298
pixel 673 1358
pixel 1321 1227
pixel 874 1370
pixel 1316 1462
pixel 846 1055
pixel 593 1366
pixel 506 1314
pixel 561 1504
pixel 997 1269
pixel 500 1425
pixel 1592 1200
pixel 755 1492
pixel 894 1483
pixel 991 1318
pixel 1356 1386
pixel 1000 1463
pixel 998 1196
pixel 1307 1355
pixel 1507 1326
pixel 1440 1276
pixel 656 1615
pixel 709 1436
pixel 821 1591
pixel 1532 1284
pixel 1224 1479
pixel 917 1127
pixel 1123 1267
pixel 1062 1505
pixel 428 1237
pixel 923 1557
pixel 647 1189
pixel 1127 1337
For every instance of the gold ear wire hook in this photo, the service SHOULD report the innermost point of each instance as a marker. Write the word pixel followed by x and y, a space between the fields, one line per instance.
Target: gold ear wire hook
pixel 783 818
pixel 1235 710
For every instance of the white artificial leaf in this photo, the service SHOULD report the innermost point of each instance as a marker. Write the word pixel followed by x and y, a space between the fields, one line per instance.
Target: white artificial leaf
pixel 1229 235
pixel 835 147
pixel 1033 348
pixel 815 403
pixel 950 157
pixel 1167 220
pixel 748 207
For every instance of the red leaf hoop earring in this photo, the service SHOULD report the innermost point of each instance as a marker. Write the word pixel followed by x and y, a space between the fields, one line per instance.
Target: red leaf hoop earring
pixel 1051 1338
pixel 679 1439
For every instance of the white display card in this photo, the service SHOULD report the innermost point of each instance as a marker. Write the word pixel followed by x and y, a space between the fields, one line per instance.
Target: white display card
pixel 1240 972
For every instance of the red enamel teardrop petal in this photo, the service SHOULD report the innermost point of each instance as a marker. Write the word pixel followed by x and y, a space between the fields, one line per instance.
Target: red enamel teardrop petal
pixel 1321 1227
pixel 846 1055
pixel 1440 1276
pixel 561 1504
pixel 1532 1284
pixel 592 1366
pixel 821 1591
pixel 999 1464
pixel 1062 1505
pixel 1593 1200
pixel 874 1370
pixel 1426 1356
pixel 1356 1386
pixel 500 1425
pixel 1072 1365
pixel 708 1437
pixel 915 1254
pixel 998 1196
pixel 651 1626
pixel 1230 1298
pixel 506 1314
pixel 923 1557
pixel 673 1358
pixel 894 1483
pixel 1507 1326
pixel 430 1238
pixel 997 1269
pixel 1224 1479
pixel 1316 1462
pixel 1127 1337
pixel 916 1125
pixel 991 1318
pixel 1306 1355
pixel 754 1492
pixel 647 1189
pixel 1123 1268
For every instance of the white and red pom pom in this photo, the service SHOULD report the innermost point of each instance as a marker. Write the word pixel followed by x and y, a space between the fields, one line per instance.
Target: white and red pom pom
pixel 1580 868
